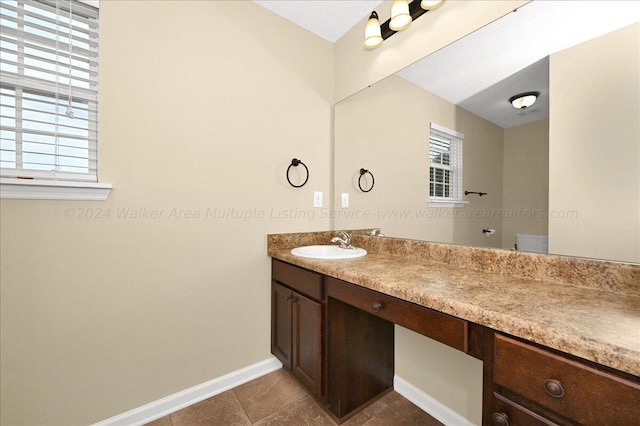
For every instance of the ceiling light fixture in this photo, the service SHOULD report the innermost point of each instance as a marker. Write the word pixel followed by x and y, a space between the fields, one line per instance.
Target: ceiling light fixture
pixel 524 100
pixel 373 34
pixel 402 14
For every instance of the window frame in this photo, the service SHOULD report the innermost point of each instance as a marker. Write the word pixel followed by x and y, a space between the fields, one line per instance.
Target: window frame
pixel 455 167
pixel 44 184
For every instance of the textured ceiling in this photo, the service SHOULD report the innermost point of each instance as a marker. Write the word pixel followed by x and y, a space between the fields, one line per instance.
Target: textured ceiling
pixel 493 104
pixel 483 70
pixel 327 19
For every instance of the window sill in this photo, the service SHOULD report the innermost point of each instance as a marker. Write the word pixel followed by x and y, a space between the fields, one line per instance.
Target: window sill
pixel 439 203
pixel 53 190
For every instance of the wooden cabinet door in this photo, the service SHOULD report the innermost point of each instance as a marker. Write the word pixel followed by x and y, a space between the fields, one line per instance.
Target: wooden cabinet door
pixel 307 343
pixel 281 325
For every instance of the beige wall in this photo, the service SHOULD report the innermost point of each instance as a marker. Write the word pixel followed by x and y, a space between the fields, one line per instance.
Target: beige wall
pixel 482 163
pixel 525 181
pixel 202 107
pixel 357 67
pixel 385 129
pixel 594 148
pixel 445 374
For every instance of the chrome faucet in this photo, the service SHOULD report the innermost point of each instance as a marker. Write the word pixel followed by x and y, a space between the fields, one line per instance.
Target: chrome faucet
pixel 345 241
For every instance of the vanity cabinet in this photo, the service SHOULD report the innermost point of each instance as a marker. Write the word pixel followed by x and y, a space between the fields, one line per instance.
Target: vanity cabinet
pixel 337 339
pixel 341 354
pixel 533 385
pixel 297 312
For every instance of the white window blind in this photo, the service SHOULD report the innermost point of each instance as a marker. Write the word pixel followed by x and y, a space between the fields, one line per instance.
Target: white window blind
pixel 445 164
pixel 48 90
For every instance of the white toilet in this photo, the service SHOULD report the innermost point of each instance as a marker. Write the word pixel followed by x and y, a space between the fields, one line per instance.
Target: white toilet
pixel 533 243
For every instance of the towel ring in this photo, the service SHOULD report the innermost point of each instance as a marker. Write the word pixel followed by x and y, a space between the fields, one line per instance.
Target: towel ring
pixel 294 163
pixel 362 173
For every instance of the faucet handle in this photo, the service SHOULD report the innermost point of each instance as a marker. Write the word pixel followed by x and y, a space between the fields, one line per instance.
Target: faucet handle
pixel 346 236
pixel 376 233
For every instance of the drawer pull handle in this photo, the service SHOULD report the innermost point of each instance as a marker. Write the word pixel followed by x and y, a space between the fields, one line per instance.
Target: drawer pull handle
pixel 291 299
pixel 376 306
pixel 500 419
pixel 554 388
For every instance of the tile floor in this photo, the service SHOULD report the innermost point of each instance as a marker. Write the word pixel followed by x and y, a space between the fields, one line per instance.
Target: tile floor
pixel 276 399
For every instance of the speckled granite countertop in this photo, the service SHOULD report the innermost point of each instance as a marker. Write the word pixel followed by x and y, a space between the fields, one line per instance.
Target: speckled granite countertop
pixel 591 323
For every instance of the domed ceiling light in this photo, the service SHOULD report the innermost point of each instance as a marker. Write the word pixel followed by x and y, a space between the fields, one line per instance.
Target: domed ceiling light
pixel 524 100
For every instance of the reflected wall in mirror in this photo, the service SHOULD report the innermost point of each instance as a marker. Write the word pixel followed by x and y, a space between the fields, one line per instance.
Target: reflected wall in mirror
pixel 568 167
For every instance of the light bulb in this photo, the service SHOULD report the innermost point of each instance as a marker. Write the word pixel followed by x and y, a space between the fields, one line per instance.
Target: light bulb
pixel 372 32
pixel 400 16
pixel 431 4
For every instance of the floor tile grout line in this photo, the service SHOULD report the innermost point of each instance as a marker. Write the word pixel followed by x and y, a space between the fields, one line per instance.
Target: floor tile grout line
pixel 244 410
pixel 394 404
pixel 284 407
pixel 303 394
pixel 322 409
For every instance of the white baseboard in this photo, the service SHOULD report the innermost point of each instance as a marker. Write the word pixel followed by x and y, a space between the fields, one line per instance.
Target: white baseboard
pixel 432 406
pixel 169 404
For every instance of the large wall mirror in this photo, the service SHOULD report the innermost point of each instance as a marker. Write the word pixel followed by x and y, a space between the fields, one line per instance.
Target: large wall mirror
pixel 567 167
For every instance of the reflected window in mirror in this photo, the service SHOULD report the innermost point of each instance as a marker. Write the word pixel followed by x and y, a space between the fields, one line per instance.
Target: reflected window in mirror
pixel 445 167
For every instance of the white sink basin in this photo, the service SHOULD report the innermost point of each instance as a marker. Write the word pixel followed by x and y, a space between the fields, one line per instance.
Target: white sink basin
pixel 327 252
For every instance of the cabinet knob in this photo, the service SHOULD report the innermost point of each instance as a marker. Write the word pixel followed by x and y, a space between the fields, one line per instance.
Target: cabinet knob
pixel 376 306
pixel 554 388
pixel 500 419
pixel 291 299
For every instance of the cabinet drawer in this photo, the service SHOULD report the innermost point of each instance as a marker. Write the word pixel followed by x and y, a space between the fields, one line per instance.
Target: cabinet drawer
pixel 507 413
pixel 435 325
pixel 587 395
pixel 304 281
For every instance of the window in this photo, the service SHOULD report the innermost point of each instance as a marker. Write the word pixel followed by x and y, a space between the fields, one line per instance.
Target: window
pixel 445 167
pixel 48 93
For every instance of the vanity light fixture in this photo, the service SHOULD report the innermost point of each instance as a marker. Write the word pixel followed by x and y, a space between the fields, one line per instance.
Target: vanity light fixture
pixel 524 100
pixel 402 14
pixel 431 4
pixel 373 34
